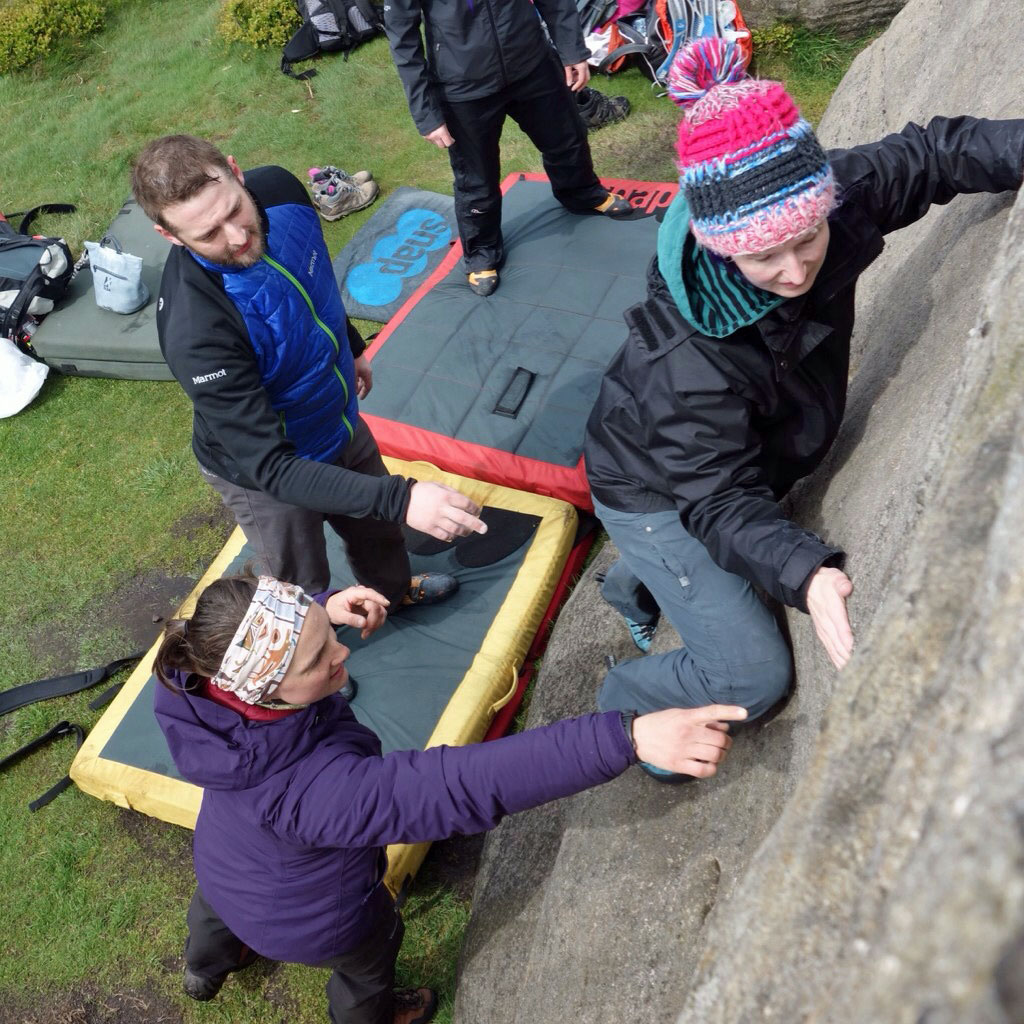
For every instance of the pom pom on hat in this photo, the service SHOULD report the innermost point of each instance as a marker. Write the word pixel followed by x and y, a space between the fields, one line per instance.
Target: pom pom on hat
pixel 752 171
pixel 701 65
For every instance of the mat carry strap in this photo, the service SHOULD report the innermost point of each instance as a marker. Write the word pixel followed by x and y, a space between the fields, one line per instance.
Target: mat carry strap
pixel 61 686
pixel 60 729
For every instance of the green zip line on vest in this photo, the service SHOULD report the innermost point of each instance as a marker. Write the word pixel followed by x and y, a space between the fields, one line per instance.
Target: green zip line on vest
pixel 330 334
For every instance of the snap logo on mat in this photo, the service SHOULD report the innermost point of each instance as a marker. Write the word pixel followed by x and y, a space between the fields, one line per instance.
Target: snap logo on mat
pixel 398 256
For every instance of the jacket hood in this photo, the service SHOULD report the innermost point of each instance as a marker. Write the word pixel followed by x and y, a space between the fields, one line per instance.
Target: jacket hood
pixel 215 748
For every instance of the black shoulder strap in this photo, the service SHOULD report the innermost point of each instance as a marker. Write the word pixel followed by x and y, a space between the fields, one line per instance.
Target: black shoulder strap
pixel 60 686
pixel 30 215
pixel 302 46
pixel 60 729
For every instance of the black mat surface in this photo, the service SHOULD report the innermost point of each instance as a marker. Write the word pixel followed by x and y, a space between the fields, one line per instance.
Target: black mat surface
pixel 519 371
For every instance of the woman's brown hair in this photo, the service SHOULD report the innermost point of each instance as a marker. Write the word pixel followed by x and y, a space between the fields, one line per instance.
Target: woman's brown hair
pixel 197 645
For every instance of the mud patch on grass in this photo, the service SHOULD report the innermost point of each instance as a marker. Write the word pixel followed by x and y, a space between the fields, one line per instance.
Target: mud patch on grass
pixel 88 1006
pixel 134 609
pixel 643 147
pixel 160 842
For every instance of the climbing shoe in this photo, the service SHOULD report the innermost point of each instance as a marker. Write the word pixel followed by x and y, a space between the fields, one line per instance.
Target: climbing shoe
pixel 614 206
pixel 429 588
pixel 483 282
pixel 597 110
pixel 200 988
pixel 642 633
pixel 414 1005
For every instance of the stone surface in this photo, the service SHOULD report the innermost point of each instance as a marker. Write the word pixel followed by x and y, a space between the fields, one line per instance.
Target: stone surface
pixel 847 17
pixel 859 858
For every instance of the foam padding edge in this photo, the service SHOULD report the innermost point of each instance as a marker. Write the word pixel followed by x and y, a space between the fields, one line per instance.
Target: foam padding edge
pixel 168 799
pixel 492 677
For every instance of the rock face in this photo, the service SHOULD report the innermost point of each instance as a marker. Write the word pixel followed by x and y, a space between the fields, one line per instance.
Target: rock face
pixel 848 17
pixel 860 858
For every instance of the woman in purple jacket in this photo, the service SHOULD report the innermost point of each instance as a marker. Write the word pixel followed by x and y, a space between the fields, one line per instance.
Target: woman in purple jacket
pixel 299 803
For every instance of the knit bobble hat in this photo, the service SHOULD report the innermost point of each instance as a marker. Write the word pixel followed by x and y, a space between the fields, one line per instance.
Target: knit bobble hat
pixel 752 171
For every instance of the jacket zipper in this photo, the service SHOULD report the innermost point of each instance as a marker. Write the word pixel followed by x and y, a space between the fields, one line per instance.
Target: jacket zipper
pixel 330 334
pixel 497 41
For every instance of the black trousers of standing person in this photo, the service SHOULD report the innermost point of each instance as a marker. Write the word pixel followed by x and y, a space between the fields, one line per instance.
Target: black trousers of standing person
pixel 545 108
pixel 362 981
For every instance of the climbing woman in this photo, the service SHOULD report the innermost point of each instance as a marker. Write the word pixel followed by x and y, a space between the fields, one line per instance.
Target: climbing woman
pixel 732 383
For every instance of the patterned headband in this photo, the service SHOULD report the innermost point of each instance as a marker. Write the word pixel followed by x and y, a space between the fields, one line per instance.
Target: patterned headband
pixel 264 643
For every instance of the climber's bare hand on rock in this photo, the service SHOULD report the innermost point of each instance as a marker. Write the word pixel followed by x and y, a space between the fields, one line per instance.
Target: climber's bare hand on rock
pixel 691 741
pixel 826 601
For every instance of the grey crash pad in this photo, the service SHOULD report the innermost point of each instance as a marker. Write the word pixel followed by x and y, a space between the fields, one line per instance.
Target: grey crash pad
pixel 81 339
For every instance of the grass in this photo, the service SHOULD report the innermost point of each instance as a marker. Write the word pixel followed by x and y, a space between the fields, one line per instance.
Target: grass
pixel 98 487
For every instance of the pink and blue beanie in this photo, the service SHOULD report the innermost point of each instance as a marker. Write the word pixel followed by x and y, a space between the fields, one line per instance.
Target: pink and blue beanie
pixel 752 171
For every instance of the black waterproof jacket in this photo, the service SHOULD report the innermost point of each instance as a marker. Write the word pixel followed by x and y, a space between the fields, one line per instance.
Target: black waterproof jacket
pixel 474 48
pixel 721 428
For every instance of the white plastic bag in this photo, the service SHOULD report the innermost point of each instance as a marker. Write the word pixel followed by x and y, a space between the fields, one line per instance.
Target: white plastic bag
pixel 21 377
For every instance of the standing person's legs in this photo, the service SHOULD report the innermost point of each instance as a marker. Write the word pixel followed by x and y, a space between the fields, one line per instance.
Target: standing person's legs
pixel 476 165
pixel 288 540
pixel 734 653
pixel 375 548
pixel 546 109
pixel 211 950
pixel 360 989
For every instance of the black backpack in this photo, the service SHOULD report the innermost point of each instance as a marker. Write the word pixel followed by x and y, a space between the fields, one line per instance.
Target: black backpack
pixel 30 268
pixel 328 26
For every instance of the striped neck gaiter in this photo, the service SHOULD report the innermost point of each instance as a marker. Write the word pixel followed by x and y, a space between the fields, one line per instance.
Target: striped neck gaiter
pixel 712 296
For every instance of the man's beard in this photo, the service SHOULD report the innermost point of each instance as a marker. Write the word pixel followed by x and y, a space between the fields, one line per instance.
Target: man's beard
pixel 253 253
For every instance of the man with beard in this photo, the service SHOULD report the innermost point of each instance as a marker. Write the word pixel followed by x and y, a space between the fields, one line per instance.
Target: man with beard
pixel 252 325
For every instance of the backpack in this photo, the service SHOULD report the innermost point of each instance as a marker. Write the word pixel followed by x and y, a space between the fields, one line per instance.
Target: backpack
pixel 329 26
pixel 654 31
pixel 34 272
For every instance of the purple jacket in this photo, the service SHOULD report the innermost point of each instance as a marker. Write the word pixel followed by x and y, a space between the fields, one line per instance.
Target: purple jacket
pixel 289 845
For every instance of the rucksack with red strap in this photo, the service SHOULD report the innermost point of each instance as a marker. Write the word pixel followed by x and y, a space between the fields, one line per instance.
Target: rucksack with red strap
pixel 35 272
pixel 653 31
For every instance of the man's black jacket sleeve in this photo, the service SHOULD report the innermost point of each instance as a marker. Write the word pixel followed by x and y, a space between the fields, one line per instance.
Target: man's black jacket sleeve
pixel 236 432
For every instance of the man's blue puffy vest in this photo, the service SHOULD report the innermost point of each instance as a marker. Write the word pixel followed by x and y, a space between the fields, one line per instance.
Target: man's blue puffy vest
pixel 296 322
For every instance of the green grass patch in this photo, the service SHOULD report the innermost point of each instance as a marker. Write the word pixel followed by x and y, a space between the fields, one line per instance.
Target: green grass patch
pixel 98 486
pixel 810 64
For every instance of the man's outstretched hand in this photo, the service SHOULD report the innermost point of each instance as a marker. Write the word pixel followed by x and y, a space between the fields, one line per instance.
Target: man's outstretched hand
pixel 826 601
pixel 691 741
pixel 442 511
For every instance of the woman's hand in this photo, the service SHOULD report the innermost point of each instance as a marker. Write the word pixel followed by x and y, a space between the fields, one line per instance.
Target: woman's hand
pixel 359 607
pixel 691 741
pixel 826 601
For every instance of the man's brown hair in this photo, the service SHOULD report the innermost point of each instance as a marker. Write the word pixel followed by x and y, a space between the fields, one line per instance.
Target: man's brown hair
pixel 173 169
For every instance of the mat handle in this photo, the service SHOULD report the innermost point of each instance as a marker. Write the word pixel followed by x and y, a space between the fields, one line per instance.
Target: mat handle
pixel 512 398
